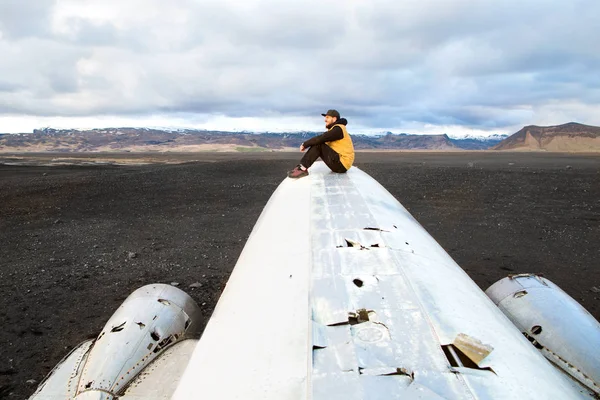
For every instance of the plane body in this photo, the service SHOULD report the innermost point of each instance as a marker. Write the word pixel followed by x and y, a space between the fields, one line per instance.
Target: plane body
pixel 340 293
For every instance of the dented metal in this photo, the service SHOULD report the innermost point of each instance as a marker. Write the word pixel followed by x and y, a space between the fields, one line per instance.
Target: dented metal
pixel 406 299
pixel 150 320
pixel 559 327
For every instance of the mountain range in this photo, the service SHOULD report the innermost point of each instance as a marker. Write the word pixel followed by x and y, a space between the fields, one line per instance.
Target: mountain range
pixel 570 137
pixel 147 139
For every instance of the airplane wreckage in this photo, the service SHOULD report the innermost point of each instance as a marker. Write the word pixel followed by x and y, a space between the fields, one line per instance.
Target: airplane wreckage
pixel 340 293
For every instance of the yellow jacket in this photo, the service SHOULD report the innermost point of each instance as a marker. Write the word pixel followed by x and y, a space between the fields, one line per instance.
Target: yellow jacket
pixel 343 147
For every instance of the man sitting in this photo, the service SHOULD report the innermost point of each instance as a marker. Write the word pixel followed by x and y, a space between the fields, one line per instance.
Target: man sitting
pixel 334 147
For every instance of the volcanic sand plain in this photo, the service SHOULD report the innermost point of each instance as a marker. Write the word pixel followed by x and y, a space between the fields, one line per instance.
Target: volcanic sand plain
pixel 79 233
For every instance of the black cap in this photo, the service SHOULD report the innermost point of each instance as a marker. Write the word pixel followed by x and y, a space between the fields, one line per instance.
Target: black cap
pixel 332 113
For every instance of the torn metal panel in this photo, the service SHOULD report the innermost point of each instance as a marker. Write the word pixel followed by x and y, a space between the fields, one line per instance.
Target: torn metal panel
pixel 329 300
pixel 386 371
pixel 366 238
pixel 339 355
pixel 473 348
pixel 484 373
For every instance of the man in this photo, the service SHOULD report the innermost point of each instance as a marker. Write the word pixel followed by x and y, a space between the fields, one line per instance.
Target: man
pixel 334 147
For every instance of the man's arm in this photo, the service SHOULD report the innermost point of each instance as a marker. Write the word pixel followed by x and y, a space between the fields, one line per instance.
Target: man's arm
pixel 334 134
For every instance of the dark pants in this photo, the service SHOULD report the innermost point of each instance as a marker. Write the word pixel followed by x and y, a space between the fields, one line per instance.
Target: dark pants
pixel 327 154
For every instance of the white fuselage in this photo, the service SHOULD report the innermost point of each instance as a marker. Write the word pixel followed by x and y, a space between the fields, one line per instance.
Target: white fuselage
pixel 326 249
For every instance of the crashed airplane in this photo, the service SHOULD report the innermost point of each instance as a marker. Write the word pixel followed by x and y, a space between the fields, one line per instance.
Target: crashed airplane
pixel 339 293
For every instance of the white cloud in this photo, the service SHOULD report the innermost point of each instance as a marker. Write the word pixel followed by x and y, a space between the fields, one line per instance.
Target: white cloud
pixel 459 64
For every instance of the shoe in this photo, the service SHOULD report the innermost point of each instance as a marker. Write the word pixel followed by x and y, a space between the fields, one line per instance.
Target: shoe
pixel 297 172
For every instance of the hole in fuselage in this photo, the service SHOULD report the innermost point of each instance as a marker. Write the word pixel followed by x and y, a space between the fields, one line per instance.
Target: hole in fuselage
pixel 456 358
pixel 164 343
pixel 359 316
pixel 520 293
pixel 358 282
pixel 118 328
pixel 533 341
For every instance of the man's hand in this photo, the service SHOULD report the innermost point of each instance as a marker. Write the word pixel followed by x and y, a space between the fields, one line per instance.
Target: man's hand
pixel 302 148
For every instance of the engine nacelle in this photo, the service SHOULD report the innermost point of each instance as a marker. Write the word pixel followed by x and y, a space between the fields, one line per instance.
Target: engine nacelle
pixel 565 332
pixel 151 320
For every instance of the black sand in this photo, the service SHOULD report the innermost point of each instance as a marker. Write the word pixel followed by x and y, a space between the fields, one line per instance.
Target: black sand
pixel 66 232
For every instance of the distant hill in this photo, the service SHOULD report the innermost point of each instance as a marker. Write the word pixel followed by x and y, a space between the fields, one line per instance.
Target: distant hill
pixel 570 137
pixel 157 140
pixel 478 143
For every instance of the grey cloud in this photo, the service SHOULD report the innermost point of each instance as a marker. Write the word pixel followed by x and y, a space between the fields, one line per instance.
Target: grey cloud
pixel 88 34
pixel 9 87
pixel 475 64
pixel 294 26
pixel 25 18
pixel 37 70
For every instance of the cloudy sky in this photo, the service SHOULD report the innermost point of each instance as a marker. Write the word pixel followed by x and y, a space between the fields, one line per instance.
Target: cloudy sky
pixel 419 66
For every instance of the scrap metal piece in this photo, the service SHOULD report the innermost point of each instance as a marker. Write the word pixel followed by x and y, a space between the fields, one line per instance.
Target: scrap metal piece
pixel 472 348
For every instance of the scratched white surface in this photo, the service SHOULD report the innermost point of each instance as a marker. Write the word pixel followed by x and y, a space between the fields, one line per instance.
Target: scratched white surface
pixel 295 279
pixel 421 300
pixel 256 343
